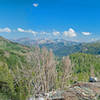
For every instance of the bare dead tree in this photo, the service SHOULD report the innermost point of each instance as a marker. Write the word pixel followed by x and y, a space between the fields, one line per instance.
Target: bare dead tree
pixel 67 70
pixel 44 68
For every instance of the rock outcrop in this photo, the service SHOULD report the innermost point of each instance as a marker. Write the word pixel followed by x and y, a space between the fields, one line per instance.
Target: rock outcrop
pixel 83 91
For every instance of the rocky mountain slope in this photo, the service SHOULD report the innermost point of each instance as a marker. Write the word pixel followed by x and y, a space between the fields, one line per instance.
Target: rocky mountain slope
pixel 63 47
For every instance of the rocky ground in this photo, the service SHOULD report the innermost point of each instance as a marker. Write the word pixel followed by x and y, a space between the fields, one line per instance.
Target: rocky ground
pixel 83 91
pixel 78 91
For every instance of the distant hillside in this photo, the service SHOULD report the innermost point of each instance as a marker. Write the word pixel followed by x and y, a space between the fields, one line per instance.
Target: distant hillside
pixel 59 47
pixel 63 47
pixel 91 48
pixel 67 48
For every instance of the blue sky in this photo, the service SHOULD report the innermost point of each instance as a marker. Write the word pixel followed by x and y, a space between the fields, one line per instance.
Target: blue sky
pixel 76 20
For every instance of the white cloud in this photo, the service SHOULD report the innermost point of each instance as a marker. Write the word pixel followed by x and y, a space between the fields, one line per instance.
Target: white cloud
pixel 21 30
pixel 8 30
pixel 35 4
pixel 70 33
pixel 26 31
pixel 55 33
pixel 43 32
pixel 86 33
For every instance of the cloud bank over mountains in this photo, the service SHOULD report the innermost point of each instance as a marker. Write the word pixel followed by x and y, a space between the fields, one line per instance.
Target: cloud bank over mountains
pixel 6 29
pixel 70 33
pixel 26 31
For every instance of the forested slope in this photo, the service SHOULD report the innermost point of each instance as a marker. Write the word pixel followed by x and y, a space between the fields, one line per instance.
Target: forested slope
pixel 84 65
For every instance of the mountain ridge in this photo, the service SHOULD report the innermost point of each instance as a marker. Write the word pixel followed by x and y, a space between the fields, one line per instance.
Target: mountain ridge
pixel 63 47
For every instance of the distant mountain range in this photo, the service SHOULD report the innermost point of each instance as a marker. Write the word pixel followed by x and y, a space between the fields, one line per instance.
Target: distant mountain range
pixel 62 47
